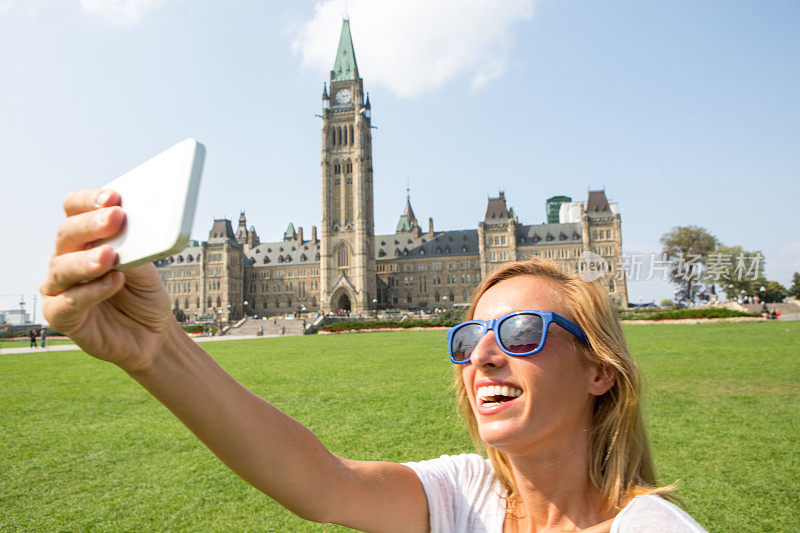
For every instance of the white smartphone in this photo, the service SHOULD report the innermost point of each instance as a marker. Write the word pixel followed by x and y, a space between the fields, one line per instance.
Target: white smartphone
pixel 159 199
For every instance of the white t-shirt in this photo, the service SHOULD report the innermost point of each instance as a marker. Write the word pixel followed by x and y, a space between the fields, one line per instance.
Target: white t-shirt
pixel 464 495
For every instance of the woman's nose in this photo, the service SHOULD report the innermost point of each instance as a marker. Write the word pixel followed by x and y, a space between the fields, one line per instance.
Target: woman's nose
pixel 487 352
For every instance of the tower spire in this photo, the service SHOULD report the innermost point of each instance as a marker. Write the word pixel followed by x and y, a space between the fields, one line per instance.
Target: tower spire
pixel 345 67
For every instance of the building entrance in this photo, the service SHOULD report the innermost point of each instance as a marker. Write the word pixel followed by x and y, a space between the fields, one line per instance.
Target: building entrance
pixel 344 303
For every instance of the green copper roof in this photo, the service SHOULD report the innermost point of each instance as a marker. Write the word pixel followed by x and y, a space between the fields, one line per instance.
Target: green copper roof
pixel 402 224
pixel 345 66
pixel 290 233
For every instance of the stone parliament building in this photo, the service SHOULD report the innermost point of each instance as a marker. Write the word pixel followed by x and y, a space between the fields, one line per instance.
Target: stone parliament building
pixel 346 267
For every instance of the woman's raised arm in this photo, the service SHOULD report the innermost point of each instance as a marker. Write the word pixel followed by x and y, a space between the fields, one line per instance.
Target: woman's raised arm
pixel 125 318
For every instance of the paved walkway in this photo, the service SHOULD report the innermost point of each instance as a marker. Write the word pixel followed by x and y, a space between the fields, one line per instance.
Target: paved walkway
pixel 71 347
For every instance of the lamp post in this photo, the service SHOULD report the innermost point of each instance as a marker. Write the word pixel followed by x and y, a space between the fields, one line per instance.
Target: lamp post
pixel 375 306
pixel 245 307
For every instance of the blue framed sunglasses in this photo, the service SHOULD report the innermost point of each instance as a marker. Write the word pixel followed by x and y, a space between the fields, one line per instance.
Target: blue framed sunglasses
pixel 519 333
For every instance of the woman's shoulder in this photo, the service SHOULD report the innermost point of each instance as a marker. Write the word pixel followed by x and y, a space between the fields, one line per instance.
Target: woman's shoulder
pixel 654 513
pixel 456 466
pixel 463 493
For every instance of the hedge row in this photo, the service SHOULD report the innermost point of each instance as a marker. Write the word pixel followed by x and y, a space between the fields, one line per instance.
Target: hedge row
pixel 712 312
pixel 24 333
pixel 447 318
pixel 372 324
pixel 198 328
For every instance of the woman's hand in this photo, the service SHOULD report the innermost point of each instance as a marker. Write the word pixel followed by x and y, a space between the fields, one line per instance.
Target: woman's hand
pixel 115 316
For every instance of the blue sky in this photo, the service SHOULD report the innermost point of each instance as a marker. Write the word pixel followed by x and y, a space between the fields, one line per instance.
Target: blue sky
pixel 685 112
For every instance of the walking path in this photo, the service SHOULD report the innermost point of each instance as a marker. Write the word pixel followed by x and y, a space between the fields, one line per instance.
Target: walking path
pixel 71 347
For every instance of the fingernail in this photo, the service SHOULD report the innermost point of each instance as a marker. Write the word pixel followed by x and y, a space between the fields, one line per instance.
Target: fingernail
pixel 94 255
pixel 102 198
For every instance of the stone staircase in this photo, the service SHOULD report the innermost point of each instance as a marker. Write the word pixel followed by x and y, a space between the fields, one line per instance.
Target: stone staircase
pixel 788 311
pixel 272 327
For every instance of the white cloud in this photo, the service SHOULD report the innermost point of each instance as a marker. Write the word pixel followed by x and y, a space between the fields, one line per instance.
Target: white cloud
pixel 25 7
pixel 123 12
pixel 415 46
pixel 787 260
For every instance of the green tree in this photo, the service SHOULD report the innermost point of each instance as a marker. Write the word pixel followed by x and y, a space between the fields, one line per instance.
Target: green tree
pixel 794 289
pixel 773 292
pixel 688 248
pixel 736 271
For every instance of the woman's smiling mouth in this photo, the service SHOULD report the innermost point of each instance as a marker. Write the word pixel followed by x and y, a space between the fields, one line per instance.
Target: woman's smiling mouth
pixel 493 398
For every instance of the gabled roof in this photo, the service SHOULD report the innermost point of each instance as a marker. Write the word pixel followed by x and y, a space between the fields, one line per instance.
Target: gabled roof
pixel 598 203
pixel 345 68
pixel 402 224
pixel 221 230
pixel 545 233
pixel 410 212
pixel 290 233
pixel 443 244
pixel 283 253
pixel 496 209
pixel 407 220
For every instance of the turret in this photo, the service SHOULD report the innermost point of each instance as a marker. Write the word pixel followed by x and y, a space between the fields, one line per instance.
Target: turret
pixel 326 100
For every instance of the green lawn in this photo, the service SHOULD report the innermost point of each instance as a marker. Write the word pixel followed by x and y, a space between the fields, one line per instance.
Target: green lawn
pixel 82 447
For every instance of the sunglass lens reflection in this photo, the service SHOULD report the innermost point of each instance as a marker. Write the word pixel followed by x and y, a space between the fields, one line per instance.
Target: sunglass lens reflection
pixel 465 340
pixel 521 333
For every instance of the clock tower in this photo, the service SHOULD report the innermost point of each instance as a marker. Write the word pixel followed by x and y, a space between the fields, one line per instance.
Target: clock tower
pixel 347 252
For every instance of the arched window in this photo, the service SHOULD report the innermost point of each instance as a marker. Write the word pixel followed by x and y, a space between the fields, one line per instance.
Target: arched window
pixel 611 285
pixel 209 302
pixel 408 298
pixel 351 134
pixel 219 302
pixel 289 303
pixel 343 256
pixel 177 304
pixel 186 303
pixel 451 297
pixel 277 303
pixel 339 135
pixel 345 135
pixel 313 301
pixel 436 296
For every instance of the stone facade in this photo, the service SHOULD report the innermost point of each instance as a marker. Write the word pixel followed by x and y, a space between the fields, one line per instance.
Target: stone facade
pixel 349 267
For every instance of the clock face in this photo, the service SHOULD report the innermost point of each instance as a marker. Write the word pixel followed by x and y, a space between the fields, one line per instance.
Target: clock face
pixel 343 96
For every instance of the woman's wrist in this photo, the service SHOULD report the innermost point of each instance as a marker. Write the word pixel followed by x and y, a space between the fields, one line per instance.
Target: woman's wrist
pixel 169 343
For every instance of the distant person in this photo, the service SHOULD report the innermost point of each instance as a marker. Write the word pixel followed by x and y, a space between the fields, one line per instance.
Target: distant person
pixel 32 334
pixel 44 337
pixel 542 374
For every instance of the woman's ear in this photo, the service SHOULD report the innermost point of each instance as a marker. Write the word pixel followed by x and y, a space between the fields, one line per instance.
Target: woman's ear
pixel 603 378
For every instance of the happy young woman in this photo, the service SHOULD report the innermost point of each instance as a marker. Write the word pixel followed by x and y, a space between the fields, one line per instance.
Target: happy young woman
pixel 542 373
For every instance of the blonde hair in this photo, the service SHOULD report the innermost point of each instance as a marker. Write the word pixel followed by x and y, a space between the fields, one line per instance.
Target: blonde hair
pixel 620 463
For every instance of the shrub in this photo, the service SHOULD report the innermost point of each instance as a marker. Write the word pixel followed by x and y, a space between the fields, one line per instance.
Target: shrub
pixel 706 312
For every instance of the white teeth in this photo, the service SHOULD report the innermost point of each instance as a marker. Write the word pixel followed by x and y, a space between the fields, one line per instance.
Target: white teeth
pixel 489 391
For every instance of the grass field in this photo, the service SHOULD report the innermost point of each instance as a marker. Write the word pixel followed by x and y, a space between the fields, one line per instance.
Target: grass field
pixel 82 447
